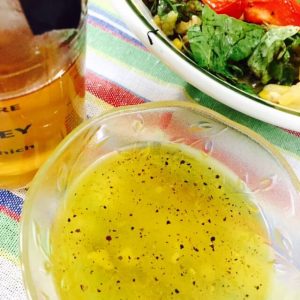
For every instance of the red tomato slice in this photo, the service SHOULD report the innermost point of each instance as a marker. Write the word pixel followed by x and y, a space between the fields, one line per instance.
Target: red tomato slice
pixel 233 8
pixel 276 12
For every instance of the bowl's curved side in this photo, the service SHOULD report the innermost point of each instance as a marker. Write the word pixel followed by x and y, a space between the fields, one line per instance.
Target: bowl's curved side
pixel 140 25
pixel 40 199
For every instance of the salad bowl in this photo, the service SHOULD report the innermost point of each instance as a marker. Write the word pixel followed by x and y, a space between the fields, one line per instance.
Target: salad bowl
pixel 142 23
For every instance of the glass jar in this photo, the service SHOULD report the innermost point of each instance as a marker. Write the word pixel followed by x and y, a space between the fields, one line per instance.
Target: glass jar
pixel 41 91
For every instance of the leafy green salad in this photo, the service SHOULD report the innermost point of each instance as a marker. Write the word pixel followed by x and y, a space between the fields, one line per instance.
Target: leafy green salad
pixel 261 59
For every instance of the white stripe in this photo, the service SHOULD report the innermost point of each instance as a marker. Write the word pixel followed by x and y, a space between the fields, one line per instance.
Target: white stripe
pixel 11 284
pixel 112 23
pixel 147 88
pixel 20 193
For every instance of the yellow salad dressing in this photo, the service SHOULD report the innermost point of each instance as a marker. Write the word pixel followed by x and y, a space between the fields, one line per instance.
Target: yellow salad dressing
pixel 160 222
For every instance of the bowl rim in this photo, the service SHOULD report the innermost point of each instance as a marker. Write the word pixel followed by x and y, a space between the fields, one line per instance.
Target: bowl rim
pixel 200 78
pixel 113 112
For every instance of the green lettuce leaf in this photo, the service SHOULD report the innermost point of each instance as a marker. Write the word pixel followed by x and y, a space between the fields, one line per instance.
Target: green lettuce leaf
pixel 271 58
pixel 222 42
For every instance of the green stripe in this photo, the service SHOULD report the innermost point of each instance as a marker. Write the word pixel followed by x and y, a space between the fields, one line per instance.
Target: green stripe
pixel 9 235
pixel 271 133
pixel 130 55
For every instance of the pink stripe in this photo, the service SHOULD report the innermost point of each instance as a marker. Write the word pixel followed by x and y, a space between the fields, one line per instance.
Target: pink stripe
pixel 10 213
pixel 109 91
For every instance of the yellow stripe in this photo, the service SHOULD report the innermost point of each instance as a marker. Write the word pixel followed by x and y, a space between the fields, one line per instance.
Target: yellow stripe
pixel 13 259
pixel 106 5
pixel 96 106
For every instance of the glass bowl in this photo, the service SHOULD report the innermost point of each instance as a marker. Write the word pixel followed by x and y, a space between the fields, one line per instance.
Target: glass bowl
pixel 261 170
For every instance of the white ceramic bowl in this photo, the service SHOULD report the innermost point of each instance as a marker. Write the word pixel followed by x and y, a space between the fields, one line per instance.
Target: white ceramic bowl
pixel 139 20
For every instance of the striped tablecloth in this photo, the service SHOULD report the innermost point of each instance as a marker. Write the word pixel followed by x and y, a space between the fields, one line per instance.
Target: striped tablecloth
pixel 120 71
